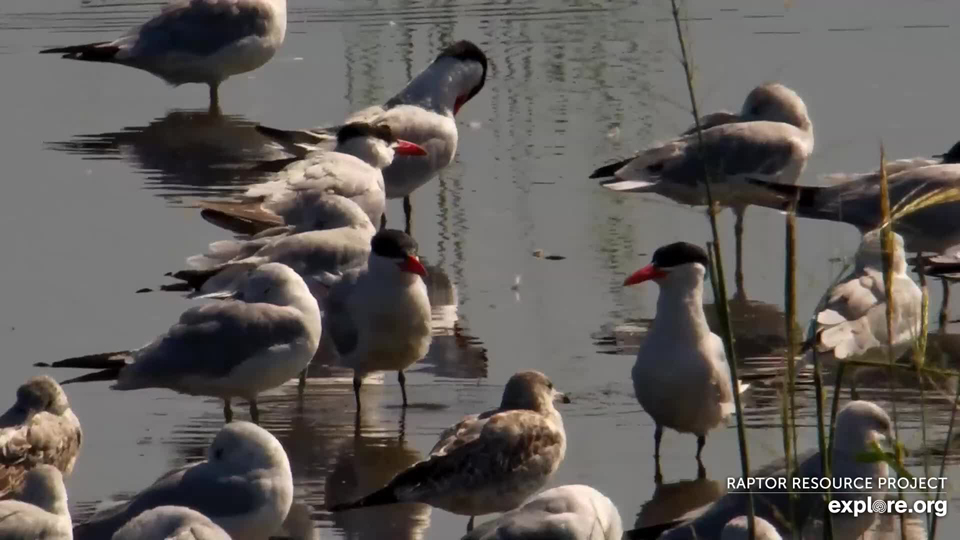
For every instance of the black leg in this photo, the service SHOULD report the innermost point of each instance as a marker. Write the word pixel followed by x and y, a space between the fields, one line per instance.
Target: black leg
pixel 383 221
pixel 657 436
pixel 356 390
pixel 701 470
pixel 738 234
pixel 403 386
pixel 945 304
pixel 302 385
pixel 254 412
pixel 227 411
pixel 215 99
pixel 701 441
pixel 407 215
pixel 470 524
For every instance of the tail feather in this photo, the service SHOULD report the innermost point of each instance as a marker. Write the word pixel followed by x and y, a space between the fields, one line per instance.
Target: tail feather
pixel 195 279
pixel 607 171
pixel 91 52
pixel 296 142
pixel 239 217
pixel 109 360
pixel 377 498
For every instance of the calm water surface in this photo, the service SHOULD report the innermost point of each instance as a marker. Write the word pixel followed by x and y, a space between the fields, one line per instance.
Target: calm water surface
pixel 101 164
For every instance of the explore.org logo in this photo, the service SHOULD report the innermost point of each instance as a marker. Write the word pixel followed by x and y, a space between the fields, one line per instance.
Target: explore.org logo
pixel 883 506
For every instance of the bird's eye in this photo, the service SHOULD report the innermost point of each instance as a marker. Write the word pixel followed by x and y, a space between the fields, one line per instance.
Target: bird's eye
pixel 550 385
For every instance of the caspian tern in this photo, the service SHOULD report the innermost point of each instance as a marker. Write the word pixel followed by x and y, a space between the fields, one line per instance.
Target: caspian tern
pixel 489 462
pixel 245 486
pixel 227 349
pixel 40 428
pixel 771 139
pixel 378 316
pixel 422 113
pixel 319 256
pixel 173 522
pixel 41 511
pixel 680 356
pixel 353 170
pixel 571 512
pixel 195 41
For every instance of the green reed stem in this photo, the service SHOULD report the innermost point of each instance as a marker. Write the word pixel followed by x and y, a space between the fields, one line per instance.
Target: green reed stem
pixel 788 403
pixel 719 284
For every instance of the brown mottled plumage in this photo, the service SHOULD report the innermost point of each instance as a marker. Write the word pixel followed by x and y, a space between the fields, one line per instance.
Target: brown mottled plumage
pixel 38 429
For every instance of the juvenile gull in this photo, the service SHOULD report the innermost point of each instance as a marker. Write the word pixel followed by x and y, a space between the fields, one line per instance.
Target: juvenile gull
pixel 573 512
pixel 853 322
pixel 39 429
pixel 244 486
pixel 233 348
pixel 40 512
pixel 680 356
pixel 319 256
pixel 422 113
pixel 171 522
pixel 489 462
pixel 859 425
pixel 771 139
pixel 195 41
pixel 353 170
pixel 378 316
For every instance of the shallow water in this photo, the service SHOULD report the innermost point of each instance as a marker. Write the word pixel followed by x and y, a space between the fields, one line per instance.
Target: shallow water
pixel 101 164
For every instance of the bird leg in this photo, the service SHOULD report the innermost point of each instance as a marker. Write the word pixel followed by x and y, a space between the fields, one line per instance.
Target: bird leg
pixel 945 303
pixel 356 390
pixel 407 215
pixel 214 99
pixel 701 441
pixel 227 411
pixel 254 412
pixel 383 221
pixel 657 436
pixel 302 384
pixel 470 524
pixel 701 470
pixel 403 386
pixel 738 234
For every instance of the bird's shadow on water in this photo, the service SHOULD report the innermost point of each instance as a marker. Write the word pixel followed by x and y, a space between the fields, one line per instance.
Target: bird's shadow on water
pixel 184 153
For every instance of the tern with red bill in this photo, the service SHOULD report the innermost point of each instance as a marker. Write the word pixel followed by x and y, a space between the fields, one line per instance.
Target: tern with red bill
pixel 422 113
pixel 680 356
pixel 378 316
pixel 354 169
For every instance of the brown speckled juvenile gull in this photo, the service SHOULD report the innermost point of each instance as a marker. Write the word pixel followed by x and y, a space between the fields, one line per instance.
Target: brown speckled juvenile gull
pixel 40 428
pixel 490 462
pixel 195 41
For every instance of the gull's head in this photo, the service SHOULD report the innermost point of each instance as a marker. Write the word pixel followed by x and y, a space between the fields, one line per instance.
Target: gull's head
pixel 273 283
pixel 870 252
pixel 860 423
pixel 326 211
pixel 738 529
pixel 39 394
pixel 242 446
pixel 531 390
pixel 952 155
pixel 394 253
pixel 680 263
pixel 467 70
pixel 43 487
pixel 374 143
pixel 775 102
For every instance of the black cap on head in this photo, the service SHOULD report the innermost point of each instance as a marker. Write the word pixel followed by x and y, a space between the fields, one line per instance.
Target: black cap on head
pixel 394 244
pixel 466 50
pixel 679 253
pixel 952 155
pixel 363 129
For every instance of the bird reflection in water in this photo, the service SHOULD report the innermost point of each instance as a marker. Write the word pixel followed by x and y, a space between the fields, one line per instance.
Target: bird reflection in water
pixel 185 152
pixel 454 352
pixel 673 500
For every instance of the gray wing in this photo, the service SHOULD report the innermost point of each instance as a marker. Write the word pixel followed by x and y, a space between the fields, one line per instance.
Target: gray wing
pixel 751 149
pixel 171 522
pixel 713 119
pixel 319 252
pixel 338 323
pixel 44 439
pixel 198 487
pixel 19 520
pixel 211 340
pixel 199 27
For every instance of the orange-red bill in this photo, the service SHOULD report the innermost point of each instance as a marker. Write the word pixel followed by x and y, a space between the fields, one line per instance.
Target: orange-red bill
pixel 459 103
pixel 407 148
pixel 413 265
pixel 646 273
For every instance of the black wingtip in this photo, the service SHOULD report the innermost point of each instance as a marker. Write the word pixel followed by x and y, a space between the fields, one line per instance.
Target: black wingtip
pixel 607 171
pixel 110 360
pixel 377 498
pixel 110 374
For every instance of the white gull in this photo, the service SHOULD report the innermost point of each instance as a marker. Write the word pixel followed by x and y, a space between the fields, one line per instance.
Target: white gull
pixel 171 522
pixel 41 511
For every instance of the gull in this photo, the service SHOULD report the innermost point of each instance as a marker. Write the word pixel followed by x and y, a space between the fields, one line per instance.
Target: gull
pixel 195 41
pixel 40 512
pixel 680 356
pixel 319 256
pixel 422 112
pixel 738 529
pixel 234 348
pixel 39 429
pixel 572 512
pixel 859 425
pixel 378 316
pixel 352 169
pixel 244 486
pixel 171 522
pixel 489 462
pixel 852 325
pixel 771 139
